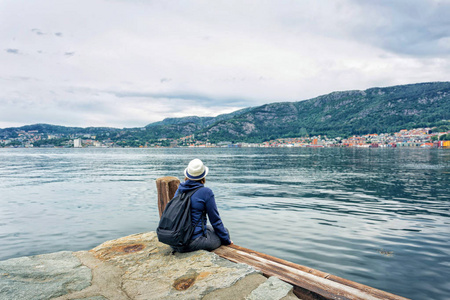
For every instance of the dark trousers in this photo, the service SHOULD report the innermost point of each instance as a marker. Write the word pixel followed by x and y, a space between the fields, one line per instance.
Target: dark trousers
pixel 208 242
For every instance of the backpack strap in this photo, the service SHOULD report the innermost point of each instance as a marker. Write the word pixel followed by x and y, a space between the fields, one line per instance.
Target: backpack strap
pixel 203 226
pixel 189 194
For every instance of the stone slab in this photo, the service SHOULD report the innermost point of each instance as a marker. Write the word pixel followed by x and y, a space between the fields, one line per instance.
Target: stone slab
pixel 238 291
pixel 271 289
pixel 42 276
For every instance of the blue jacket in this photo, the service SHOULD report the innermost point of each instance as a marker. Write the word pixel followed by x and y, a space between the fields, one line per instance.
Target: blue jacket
pixel 203 200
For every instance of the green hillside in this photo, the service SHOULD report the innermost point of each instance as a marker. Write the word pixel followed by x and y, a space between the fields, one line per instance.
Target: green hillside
pixel 374 110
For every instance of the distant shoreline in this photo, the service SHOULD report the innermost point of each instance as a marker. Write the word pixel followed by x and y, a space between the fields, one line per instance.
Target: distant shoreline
pixel 98 148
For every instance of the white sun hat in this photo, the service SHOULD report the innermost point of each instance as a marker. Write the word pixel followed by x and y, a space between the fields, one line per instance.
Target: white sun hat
pixel 196 170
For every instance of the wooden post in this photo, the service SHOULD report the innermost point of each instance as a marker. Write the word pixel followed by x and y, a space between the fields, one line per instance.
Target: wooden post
pixel 166 186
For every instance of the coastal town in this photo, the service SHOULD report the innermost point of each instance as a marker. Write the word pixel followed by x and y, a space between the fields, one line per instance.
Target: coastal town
pixel 419 138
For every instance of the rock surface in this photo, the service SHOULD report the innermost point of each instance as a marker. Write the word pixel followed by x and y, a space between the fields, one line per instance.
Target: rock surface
pixel 272 289
pixel 42 276
pixel 132 267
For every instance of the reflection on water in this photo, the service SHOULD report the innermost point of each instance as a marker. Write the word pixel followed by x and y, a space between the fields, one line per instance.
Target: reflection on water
pixel 375 216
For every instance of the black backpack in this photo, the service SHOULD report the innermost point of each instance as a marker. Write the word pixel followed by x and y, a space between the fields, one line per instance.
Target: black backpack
pixel 175 226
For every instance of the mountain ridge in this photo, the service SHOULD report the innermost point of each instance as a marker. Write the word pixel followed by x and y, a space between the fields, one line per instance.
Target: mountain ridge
pixel 373 110
pixel 343 113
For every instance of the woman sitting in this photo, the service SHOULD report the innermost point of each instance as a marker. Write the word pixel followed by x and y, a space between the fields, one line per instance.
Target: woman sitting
pixel 203 206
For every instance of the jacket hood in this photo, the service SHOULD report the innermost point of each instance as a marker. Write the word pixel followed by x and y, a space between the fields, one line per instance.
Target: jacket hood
pixel 189 185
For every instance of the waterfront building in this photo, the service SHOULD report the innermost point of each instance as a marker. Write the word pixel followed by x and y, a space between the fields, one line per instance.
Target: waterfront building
pixel 77 143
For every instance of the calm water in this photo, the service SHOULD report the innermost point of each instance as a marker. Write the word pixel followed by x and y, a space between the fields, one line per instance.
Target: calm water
pixel 380 217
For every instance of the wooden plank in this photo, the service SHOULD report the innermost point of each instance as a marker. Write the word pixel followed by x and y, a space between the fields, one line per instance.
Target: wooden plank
pixel 293 276
pixel 368 289
pixel 304 294
pixel 304 277
pixel 282 261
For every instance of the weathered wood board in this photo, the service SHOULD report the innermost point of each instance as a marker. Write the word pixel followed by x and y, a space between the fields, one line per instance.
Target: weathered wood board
pixel 324 284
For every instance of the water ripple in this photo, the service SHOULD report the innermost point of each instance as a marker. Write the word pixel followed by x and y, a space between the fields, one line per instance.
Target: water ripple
pixel 376 216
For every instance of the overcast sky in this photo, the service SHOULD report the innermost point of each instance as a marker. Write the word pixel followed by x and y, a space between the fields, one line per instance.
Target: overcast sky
pixel 129 63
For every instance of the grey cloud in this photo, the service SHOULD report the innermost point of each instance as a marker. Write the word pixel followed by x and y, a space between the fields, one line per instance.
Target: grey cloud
pixel 413 27
pixel 18 78
pixel 84 106
pixel 37 31
pixel 201 99
pixel 12 51
pixel 24 78
pixel 234 56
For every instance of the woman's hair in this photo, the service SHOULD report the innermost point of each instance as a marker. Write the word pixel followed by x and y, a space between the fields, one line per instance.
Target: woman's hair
pixel 202 181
